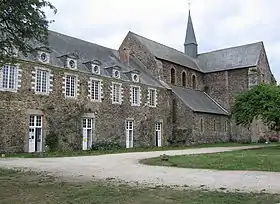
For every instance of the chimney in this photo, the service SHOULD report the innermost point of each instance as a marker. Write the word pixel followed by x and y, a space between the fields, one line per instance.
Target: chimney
pixel 124 55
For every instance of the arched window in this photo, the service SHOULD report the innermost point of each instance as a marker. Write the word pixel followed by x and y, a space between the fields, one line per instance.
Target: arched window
pixel 215 128
pixel 193 81
pixel 201 125
pixel 172 76
pixel 184 79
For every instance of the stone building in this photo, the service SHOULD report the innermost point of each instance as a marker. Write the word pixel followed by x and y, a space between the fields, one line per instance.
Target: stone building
pixel 74 94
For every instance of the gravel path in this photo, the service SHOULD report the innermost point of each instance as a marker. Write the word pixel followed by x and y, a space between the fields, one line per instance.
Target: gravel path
pixel 125 167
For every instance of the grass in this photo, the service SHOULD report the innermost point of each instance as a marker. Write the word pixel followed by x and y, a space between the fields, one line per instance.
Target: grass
pixel 32 188
pixel 260 159
pixel 89 153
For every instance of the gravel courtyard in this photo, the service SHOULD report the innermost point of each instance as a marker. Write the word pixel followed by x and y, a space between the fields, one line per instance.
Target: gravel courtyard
pixel 126 168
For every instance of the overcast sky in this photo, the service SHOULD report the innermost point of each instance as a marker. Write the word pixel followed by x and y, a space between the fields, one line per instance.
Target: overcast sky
pixel 217 23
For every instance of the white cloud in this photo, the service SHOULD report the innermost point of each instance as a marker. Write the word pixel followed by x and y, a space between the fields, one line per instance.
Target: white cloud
pixel 218 23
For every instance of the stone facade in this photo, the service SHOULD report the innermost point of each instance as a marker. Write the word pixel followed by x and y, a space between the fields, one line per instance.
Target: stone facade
pixel 109 119
pixel 143 94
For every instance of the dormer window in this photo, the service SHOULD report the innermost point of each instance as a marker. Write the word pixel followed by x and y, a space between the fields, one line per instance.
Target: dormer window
pixel 72 64
pixel 116 74
pixel 135 77
pixel 43 54
pixel 70 60
pixel 95 69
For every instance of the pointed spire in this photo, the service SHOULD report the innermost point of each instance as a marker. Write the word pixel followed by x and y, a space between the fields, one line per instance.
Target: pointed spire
pixel 190 40
pixel 190 35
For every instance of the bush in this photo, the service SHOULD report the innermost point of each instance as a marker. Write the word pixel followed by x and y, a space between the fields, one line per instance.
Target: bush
pixel 262 140
pixel 106 146
pixel 273 139
pixel 52 142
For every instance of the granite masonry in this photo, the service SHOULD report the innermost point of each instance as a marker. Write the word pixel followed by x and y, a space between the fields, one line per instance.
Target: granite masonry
pixel 73 94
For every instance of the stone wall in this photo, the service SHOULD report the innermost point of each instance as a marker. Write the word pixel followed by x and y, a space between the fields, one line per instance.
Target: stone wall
pixel 167 66
pixel 109 120
pixel 131 45
pixel 216 85
pixel 210 128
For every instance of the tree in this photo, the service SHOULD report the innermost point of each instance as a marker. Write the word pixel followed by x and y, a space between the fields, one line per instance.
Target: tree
pixel 262 101
pixel 21 22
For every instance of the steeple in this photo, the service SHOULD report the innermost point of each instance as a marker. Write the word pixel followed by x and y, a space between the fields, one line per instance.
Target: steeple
pixel 190 41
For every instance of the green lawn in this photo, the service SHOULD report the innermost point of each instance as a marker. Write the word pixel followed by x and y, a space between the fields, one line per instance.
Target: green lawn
pixel 31 188
pixel 88 153
pixel 261 159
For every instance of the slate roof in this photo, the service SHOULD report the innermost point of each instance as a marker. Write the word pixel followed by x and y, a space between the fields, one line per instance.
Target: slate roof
pixel 190 35
pixel 166 53
pixel 198 101
pixel 218 60
pixel 230 58
pixel 61 44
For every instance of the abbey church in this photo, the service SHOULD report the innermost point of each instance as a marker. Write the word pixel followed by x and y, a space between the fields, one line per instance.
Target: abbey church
pixel 73 94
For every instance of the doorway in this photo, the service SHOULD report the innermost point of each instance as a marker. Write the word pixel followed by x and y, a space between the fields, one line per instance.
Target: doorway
pixel 129 134
pixel 87 133
pixel 35 139
pixel 158 137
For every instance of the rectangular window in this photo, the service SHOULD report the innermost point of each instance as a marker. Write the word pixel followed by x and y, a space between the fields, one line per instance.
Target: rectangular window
pixel 71 86
pixel 116 93
pixel 201 125
pixel 8 78
pixel 129 134
pixel 135 96
pixel 152 97
pixel 42 81
pixel 95 90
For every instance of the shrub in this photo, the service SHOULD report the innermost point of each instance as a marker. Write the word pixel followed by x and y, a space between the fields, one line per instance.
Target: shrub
pixel 262 140
pixel 106 146
pixel 273 138
pixel 52 142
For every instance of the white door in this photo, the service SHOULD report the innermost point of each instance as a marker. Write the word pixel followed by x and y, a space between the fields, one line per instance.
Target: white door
pixel 129 134
pixel 158 134
pixel 87 133
pixel 35 136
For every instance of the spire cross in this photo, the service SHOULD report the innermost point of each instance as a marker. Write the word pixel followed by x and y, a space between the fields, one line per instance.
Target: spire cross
pixel 189 2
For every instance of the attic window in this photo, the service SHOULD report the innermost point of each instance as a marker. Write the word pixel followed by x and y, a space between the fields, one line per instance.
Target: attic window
pixel 96 69
pixel 44 57
pixel 116 74
pixel 135 77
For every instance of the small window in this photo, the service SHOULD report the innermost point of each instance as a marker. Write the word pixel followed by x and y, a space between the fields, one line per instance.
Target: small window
pixel 225 126
pixel 193 81
pixel 116 93
pixel 42 81
pixel 135 96
pixel 201 125
pixel 8 78
pixel 214 126
pixel 172 72
pixel 95 69
pixel 184 79
pixel 71 86
pixel 152 97
pixel 95 90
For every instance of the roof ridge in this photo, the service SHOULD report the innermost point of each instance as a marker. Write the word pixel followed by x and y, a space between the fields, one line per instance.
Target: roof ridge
pixel 162 44
pixel 76 38
pixel 238 46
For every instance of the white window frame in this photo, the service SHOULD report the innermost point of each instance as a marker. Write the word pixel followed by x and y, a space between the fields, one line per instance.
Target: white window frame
pixel 116 93
pixel 15 78
pixel 75 86
pixel 129 127
pixel 47 81
pixel 150 102
pixel 93 90
pixel 133 100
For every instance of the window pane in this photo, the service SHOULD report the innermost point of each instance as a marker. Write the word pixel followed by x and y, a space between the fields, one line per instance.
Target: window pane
pixel 95 90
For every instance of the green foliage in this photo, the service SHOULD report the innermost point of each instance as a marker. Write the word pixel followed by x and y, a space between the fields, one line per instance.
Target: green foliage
pixel 105 146
pixel 262 101
pixel 20 22
pixel 52 142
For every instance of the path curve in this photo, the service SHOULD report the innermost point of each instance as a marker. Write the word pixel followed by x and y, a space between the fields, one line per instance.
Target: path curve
pixel 126 167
